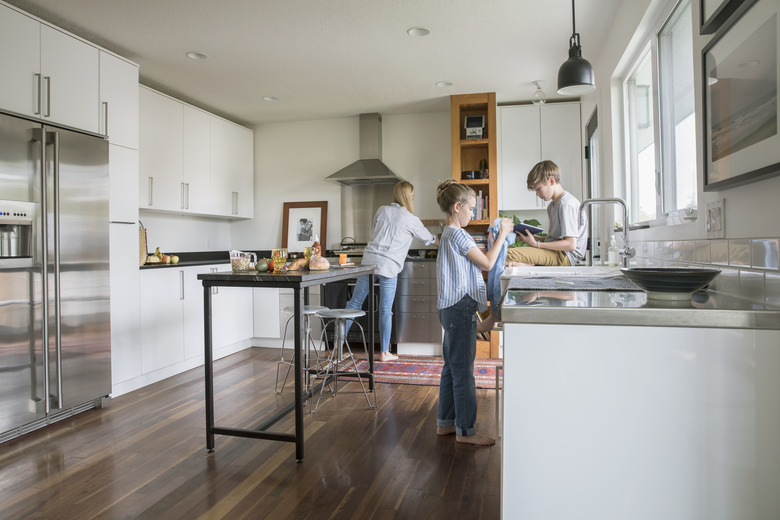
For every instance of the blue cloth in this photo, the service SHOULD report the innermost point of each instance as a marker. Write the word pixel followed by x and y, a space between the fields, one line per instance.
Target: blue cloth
pixel 494 276
pixel 457 388
pixel 387 287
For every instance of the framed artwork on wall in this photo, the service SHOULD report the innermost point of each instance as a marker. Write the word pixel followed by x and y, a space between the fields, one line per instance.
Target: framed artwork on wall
pixel 714 13
pixel 302 223
pixel 740 78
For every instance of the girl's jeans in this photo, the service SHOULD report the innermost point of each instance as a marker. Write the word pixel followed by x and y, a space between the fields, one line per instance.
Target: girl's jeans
pixel 457 390
pixel 386 299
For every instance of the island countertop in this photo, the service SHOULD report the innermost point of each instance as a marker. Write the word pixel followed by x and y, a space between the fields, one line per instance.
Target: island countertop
pixel 705 309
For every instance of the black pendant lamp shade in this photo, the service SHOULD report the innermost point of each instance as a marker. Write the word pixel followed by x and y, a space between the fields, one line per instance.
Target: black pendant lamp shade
pixel 575 77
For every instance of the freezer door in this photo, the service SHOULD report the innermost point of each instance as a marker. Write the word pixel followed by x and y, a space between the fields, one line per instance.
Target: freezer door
pixel 78 276
pixel 22 394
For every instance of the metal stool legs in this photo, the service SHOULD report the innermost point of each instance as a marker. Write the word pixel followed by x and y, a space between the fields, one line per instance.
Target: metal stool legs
pixel 308 312
pixel 337 359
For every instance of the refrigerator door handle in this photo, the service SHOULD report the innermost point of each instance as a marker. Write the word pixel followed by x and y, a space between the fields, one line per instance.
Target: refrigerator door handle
pixel 57 297
pixel 40 137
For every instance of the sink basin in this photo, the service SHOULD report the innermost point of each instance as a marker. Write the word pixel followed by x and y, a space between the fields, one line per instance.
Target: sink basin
pixel 670 283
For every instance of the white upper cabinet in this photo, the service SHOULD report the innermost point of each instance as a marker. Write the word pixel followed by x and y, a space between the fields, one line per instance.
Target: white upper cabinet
pixel 192 161
pixel 20 55
pixel 232 169
pixel 119 100
pixel 196 176
pixel 47 73
pixel 529 134
pixel 70 70
pixel 160 149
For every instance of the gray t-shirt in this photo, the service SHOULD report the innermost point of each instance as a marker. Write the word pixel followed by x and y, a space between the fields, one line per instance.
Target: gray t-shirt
pixel 564 222
pixel 391 236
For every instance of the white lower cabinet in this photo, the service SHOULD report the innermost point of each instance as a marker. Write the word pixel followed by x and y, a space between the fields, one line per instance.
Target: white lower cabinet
pixel 172 320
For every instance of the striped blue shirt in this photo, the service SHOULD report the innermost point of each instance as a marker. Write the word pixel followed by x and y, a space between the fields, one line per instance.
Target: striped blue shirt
pixel 456 275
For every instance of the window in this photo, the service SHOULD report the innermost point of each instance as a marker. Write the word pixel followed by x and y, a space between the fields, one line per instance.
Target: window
pixel 660 122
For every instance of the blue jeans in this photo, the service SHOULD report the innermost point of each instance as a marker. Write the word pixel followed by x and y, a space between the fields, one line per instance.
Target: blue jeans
pixel 457 389
pixel 386 299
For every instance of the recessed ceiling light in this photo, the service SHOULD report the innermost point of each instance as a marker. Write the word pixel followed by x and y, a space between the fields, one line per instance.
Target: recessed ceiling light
pixel 443 83
pixel 418 31
pixel 270 98
pixel 194 55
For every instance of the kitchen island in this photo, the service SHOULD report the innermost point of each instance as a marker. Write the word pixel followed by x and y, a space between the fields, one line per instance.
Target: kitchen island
pixel 616 406
pixel 299 281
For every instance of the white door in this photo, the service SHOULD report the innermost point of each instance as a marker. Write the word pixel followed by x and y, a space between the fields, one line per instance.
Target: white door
pixel 119 100
pixel 520 150
pixel 162 342
pixel 20 61
pixel 122 184
pixel 196 174
pixel 160 151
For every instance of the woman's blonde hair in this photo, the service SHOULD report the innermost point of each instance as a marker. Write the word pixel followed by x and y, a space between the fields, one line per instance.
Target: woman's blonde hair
pixel 541 172
pixel 451 191
pixel 403 194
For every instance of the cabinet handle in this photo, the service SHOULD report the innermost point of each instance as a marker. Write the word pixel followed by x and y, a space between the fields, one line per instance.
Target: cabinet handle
pixel 105 118
pixel 47 79
pixel 151 190
pixel 235 203
pixel 187 195
pixel 181 284
pixel 37 77
pixel 181 195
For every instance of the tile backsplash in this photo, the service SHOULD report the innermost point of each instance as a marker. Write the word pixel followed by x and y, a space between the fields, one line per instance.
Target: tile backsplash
pixel 750 268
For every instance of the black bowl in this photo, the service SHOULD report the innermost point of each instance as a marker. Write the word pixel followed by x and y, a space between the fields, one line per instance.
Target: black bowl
pixel 670 283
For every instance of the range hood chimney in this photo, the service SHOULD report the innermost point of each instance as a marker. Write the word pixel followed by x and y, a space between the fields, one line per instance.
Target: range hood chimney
pixel 369 169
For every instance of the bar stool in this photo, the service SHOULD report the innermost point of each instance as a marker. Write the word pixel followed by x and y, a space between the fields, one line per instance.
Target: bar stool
pixel 332 368
pixel 308 312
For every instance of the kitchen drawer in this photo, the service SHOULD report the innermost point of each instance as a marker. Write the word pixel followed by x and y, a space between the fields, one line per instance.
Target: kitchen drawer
pixel 418 327
pixel 411 303
pixel 418 270
pixel 415 286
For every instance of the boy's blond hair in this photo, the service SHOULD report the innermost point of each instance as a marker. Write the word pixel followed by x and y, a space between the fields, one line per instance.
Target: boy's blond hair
pixel 541 172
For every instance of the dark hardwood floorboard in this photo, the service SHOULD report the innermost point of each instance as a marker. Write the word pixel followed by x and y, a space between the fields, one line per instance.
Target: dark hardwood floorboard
pixel 144 456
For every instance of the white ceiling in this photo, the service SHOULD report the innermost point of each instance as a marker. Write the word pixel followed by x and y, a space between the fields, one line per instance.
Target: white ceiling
pixel 335 58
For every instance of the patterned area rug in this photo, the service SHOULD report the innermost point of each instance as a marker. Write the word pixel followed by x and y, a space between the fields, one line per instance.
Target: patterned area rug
pixel 426 370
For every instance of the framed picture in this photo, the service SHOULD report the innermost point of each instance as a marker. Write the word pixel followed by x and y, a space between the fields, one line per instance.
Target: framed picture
pixel 740 78
pixel 715 12
pixel 302 222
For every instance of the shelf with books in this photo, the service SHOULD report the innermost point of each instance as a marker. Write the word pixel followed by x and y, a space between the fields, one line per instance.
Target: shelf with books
pixel 477 155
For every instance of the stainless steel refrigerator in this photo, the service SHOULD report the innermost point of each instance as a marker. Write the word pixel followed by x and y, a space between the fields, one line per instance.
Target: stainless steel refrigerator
pixel 55 343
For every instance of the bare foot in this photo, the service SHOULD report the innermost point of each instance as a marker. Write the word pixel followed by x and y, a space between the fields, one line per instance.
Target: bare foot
pixel 477 439
pixel 445 430
pixel 387 356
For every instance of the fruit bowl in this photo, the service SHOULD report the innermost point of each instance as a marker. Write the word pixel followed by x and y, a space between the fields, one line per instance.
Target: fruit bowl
pixel 670 283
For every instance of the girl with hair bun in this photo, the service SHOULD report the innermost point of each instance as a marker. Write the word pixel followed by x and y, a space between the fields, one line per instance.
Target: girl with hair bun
pixel 461 294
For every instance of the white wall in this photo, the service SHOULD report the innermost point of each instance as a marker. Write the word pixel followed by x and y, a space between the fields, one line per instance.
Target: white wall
pixel 293 159
pixel 178 233
pixel 751 210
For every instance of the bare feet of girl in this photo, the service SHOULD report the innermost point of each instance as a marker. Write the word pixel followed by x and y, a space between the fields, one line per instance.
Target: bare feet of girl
pixel 445 430
pixel 477 439
pixel 387 356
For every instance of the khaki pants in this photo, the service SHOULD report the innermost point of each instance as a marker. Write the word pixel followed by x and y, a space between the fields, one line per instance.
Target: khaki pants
pixel 536 256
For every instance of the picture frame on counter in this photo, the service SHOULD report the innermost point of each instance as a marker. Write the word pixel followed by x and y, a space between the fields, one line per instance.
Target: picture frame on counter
pixel 740 76
pixel 714 13
pixel 302 223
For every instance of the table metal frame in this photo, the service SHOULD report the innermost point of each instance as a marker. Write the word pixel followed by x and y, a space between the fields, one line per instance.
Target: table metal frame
pixel 299 282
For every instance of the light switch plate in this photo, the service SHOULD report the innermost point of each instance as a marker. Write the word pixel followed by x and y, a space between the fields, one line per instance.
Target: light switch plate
pixel 715 219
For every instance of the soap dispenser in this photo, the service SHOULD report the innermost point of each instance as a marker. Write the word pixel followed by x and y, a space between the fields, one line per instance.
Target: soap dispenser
pixel 613 258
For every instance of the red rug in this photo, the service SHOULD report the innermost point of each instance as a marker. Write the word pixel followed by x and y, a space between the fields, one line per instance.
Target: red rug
pixel 426 370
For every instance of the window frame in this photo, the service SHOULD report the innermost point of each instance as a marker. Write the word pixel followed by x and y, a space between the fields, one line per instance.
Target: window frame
pixel 649 43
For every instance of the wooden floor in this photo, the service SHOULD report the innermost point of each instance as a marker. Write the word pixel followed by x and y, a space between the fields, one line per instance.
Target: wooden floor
pixel 144 456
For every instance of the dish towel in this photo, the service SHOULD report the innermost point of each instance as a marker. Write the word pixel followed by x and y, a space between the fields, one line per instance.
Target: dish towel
pixel 494 275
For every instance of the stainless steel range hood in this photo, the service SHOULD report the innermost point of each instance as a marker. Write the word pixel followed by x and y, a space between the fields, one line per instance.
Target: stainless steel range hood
pixel 369 169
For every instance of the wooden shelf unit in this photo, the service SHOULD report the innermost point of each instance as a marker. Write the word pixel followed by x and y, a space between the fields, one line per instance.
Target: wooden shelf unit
pixel 467 155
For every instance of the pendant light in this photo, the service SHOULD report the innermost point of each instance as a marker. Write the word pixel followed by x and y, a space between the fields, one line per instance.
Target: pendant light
pixel 575 77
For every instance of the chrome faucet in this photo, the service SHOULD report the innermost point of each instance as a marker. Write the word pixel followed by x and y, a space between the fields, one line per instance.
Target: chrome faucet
pixel 625 252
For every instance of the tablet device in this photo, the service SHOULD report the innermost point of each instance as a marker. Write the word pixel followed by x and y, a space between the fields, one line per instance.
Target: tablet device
pixel 522 228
